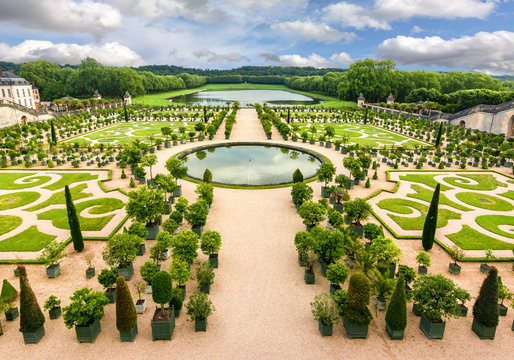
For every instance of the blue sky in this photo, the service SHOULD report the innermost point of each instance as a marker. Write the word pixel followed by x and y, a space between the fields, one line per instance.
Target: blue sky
pixel 471 35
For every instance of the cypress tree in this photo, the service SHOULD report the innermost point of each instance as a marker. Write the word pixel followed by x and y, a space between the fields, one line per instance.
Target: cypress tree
pixel 288 115
pixel 126 317
pixel 396 314
pixel 73 221
pixel 52 132
pixel 207 176
pixel 438 138
pixel 31 316
pixel 485 309
pixel 297 176
pixel 431 221
pixel 125 112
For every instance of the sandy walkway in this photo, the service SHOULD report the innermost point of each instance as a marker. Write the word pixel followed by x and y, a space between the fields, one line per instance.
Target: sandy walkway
pixel 261 299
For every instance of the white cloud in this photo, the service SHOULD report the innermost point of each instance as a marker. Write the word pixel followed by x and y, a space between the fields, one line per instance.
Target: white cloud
pixel 313 60
pixel 109 54
pixel 342 58
pixel 198 10
pixel 310 30
pixel 62 15
pixel 486 52
pixel 385 11
pixel 214 57
pixel 417 29
pixel 265 4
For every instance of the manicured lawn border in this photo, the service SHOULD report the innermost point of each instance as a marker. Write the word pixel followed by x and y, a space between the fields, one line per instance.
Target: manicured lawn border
pixel 403 237
pixel 317 155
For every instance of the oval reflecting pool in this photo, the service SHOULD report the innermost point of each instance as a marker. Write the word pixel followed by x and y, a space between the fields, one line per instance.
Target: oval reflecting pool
pixel 250 164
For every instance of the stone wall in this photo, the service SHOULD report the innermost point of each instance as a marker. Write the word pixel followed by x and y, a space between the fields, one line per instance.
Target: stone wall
pixel 10 116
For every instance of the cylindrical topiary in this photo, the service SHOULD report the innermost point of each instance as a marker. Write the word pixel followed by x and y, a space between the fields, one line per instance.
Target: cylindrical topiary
pixel 73 221
pixel 31 316
pixel 126 317
pixel 358 300
pixel 161 288
pixel 430 226
pixel 396 314
pixel 485 309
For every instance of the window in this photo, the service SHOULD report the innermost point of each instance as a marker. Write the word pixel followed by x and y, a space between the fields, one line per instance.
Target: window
pixel 8 92
pixel 3 93
pixel 31 104
pixel 18 92
pixel 23 92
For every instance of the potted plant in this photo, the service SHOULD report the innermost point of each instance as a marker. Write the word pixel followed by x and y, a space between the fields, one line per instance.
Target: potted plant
pixel 140 305
pixel 31 317
pixel 356 211
pixel 107 278
pixel 409 275
pixel 309 275
pixel 196 216
pixel 423 259
pixel 382 287
pixel 163 321
pixel 7 297
pixel 159 252
pixel 335 220
pixel 485 310
pixel 339 194
pixel 181 206
pixel 50 256
pixel 304 243
pixel 178 170
pixel 436 298
pixel 326 312
pixel 120 252
pixel 300 193
pixel 503 293
pixel 329 245
pixel 205 191
pixel 148 270
pixel 184 246
pixel 312 214
pixel 53 305
pixel 484 267
pixel 462 296
pixel 177 300
pixel 337 273
pixel 210 244
pixel 325 173
pixel 356 313
pixel 396 314
pixel 84 313
pixel 386 254
pixel 204 276
pixel 138 229
pixel 180 273
pixel 145 205
pixel 90 271
pixel 126 317
pixel 163 243
pixel 457 254
pixel 199 308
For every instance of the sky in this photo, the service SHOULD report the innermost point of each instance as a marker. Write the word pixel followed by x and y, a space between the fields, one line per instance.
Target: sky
pixel 438 35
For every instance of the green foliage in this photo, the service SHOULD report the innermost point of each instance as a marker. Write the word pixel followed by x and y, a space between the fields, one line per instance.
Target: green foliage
pixel 51 302
pixel 438 138
pixel 337 273
pixel 335 219
pixel 408 273
pixel 423 258
pixel 396 314
pixel 329 245
pixel 326 172
pixel 199 306
pixel 107 277
pixel 207 176
pixel 312 213
pixel 210 242
pixel 176 298
pixel 205 192
pixel 341 298
pixel 85 307
pixel 138 229
pixel 132 184
pixel 385 250
pixel 503 291
pixel 204 273
pixel 157 252
pixel 358 300
pixel 185 245
pixel 170 225
pixel 148 271
pixel 166 182
pixel 430 225
pixel 145 205
pixel 196 213
pixel 9 293
pixel 325 309
pixel 485 309
pixel 121 249
pixel 123 175
pixel 52 253
pixel 304 242
pixel 382 286
pixel 437 297
pixel 357 210
pixel 126 317
pixel 372 231
pixel 161 288
pixel 179 271
pixel 177 168
pixel 301 192
pixel 31 316
pixel 181 205
pixel 368 183
pixel 297 176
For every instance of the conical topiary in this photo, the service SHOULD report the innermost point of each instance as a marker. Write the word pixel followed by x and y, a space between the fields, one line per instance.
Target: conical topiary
pixel 126 317
pixel 430 226
pixel 8 293
pixel 396 314
pixel 73 221
pixel 485 309
pixel 207 176
pixel 31 316
pixel 297 176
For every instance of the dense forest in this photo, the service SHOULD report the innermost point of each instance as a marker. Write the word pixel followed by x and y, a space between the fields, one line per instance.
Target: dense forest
pixel 448 91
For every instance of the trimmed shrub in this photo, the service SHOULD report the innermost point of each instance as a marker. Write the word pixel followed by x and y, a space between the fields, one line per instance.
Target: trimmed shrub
pixel 148 271
pixel 9 293
pixel 210 242
pixel 337 273
pixel 358 300
pixel 126 317
pixel 485 309
pixel 207 176
pixel 31 316
pixel 297 176
pixel 176 298
pixel 372 231
pixel 185 245
pixel 396 314
pixel 107 277
pixel 161 288
pixel 132 182
pixel 73 221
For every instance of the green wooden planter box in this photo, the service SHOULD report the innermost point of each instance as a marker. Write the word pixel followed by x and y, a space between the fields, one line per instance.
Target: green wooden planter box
pixel 128 336
pixel 152 232
pixel 302 259
pixel 55 313
pixel 454 268
pixel 325 330
pixel 214 260
pixel 415 310
pixel 309 277
pixel 205 288
pixel 463 310
pixel 483 332
pixel 127 272
pixel 359 230
pixel 53 271
pixel 111 295
pixel 339 208
pixel 324 192
pixel 178 191
pixel 201 325
pixel 176 311
pixel 502 310
pixel 11 315
pixel 90 272
pixel 422 270
pixel 33 337
pixel 430 329
pixel 162 330
pixel 142 250
pixel 167 208
pixel 394 334
pixel 355 331
pixel 197 230
pixel 16 272
pixel 484 268
pixel 88 333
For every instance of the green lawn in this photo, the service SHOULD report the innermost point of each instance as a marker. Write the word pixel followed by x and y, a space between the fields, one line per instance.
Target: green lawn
pixel 58 198
pixel 404 206
pixel 470 239
pixel 17 199
pixel 485 182
pixel 484 201
pixel 492 223
pixel 427 179
pixel 97 206
pixel 509 194
pixel 70 178
pixel 29 240
pixel 424 194
pixel 7 180
pixel 9 223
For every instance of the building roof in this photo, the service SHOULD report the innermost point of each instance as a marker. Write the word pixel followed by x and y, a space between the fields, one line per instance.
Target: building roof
pixel 390 97
pixel 8 78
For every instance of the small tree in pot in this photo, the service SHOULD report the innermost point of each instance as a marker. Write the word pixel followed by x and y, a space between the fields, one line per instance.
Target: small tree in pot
pixel 372 231
pixel 336 220
pixel 204 276
pixel 177 300
pixel 386 253
pixel 423 259
pixel 146 206
pixel 485 310
pixel 396 314
pixel 50 256
pixel 180 273
pixel 382 287
pixel 484 267
pixel 325 173
pixel 300 193
pixel 141 302
pixel 139 229
pixel 356 211
pixel 210 245
pixel 409 275
pixel 312 213
pixel 178 170
pixel 196 216
pixel 126 317
pixel 107 278
pixel 184 246
pixel 199 308
pixel 337 273
pixel 503 293
pixel 7 297
pixel 148 271
pixel 457 254
pixel 304 243
pixel 31 317
pixel 326 312
pixel 356 313
pixel 163 321
pixel 120 252
pixel 53 305
pixel 328 245
pixel 205 192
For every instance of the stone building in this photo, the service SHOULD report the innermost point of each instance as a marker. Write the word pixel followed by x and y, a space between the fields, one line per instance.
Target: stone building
pixel 17 90
pixel 127 99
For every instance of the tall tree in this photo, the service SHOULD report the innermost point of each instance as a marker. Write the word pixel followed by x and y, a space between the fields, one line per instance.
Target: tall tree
pixel 73 221
pixel 31 316
pixel 126 317
pixel 439 134
pixel 485 309
pixel 52 132
pixel 396 314
pixel 430 225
